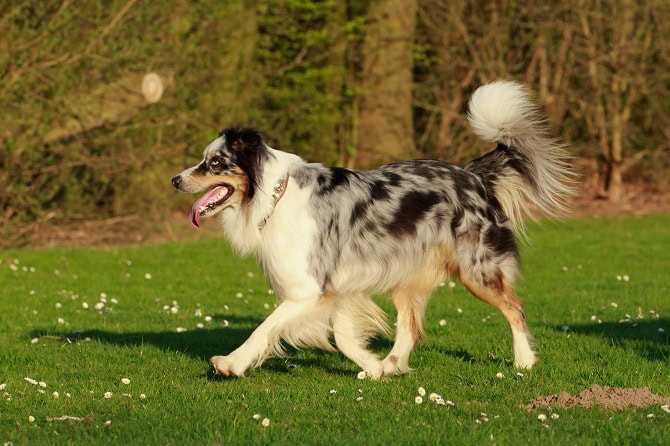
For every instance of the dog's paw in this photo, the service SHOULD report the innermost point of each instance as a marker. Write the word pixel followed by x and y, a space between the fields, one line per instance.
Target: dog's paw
pixel 526 362
pixel 392 365
pixel 375 373
pixel 223 365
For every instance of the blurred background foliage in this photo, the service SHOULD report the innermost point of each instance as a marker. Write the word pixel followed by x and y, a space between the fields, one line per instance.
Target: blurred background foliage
pixel 352 83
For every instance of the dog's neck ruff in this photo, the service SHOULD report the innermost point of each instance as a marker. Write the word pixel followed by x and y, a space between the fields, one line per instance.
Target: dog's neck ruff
pixel 277 194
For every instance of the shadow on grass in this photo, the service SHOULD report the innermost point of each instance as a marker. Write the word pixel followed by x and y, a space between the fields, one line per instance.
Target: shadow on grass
pixel 641 335
pixel 202 344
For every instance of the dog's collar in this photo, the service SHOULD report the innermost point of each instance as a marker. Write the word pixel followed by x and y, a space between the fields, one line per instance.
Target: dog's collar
pixel 277 194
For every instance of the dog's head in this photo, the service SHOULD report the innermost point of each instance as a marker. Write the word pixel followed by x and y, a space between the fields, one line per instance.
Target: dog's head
pixel 229 172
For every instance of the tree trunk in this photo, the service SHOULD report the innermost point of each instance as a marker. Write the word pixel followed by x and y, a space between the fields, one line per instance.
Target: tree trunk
pixel 385 130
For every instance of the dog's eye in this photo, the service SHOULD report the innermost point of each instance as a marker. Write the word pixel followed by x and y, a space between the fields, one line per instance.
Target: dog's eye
pixel 215 163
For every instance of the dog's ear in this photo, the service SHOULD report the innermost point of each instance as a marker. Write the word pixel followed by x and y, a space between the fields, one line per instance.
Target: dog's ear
pixel 246 139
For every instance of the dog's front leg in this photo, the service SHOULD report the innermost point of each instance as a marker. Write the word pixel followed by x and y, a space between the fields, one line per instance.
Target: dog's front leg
pixel 262 343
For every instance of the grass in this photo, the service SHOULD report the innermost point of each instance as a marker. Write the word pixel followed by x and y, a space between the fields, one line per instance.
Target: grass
pixel 570 275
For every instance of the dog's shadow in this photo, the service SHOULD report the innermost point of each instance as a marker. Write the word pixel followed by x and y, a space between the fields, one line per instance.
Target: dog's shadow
pixel 650 338
pixel 204 343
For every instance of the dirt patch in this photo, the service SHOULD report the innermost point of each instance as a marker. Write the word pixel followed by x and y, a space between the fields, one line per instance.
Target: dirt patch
pixel 611 398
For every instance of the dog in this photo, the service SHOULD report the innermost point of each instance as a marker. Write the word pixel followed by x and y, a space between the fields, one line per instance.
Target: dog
pixel 328 237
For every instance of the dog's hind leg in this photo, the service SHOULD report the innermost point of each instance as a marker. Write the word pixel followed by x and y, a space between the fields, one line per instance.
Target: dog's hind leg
pixel 410 300
pixel 496 290
pixel 355 319
pixel 411 305
pixel 302 323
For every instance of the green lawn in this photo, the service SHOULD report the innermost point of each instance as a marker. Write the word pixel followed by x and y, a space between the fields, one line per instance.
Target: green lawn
pixel 574 305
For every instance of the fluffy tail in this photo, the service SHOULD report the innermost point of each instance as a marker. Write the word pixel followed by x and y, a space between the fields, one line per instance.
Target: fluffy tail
pixel 528 169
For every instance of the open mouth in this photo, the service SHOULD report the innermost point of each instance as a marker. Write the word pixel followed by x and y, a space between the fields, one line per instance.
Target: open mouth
pixel 210 203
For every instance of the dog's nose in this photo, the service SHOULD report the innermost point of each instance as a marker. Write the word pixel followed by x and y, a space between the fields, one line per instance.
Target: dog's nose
pixel 176 181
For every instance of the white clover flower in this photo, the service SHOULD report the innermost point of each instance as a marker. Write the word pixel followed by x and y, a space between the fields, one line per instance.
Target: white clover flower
pixel 661 330
pixel 208 318
pixel 433 397
pixel 239 295
pixel 499 375
pixel 55 394
pixel 651 415
pixel 99 306
pixel 440 402
pixel 174 310
pixel 34 340
pixel 30 381
pixel 181 330
pixel 59 305
pixel 108 423
pixel 593 318
pixel 143 396
pixel 626 278
pixel 84 305
pixel 555 416
pixel 362 375
pixel 542 417
pixel 3 386
pixel 618 277
pixel 61 320
pixel 114 301
pixel 443 322
pixel 614 305
pixel 256 416
pixel 67 395
pixel 198 312
pixel 418 400
pixel 266 306
pixel 665 408
pixel 108 395
pixel 225 323
pixel 421 391
pixel 459 310
pixel 200 325
pixel 360 398
pixel 31 419
pixel 452 284
pixel 147 276
pixel 125 381
pixel 265 422
pixel 42 384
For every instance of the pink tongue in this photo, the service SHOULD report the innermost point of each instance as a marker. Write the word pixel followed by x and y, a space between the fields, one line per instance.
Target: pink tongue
pixel 203 201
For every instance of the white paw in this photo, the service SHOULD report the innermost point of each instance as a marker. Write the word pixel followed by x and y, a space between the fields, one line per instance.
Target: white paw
pixel 392 365
pixel 525 362
pixel 223 365
pixel 375 372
